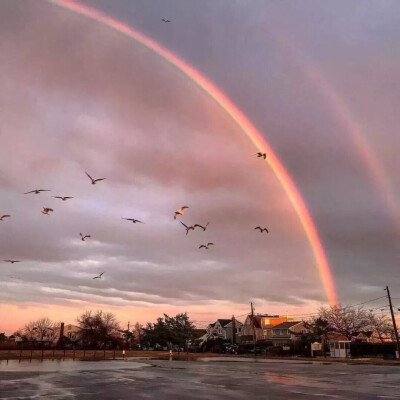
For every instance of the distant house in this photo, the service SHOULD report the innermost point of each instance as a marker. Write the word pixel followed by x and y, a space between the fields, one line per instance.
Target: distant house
pixel 69 331
pixel 363 337
pixel 223 329
pixel 261 325
pixel 371 337
pixel 287 332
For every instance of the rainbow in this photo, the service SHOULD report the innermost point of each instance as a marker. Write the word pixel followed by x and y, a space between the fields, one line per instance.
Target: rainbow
pixel 349 123
pixel 240 119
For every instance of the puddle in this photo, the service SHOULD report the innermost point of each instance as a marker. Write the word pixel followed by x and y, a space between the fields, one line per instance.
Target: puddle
pixel 295 380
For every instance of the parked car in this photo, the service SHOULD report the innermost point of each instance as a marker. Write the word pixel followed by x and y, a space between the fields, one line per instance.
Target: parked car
pixel 257 350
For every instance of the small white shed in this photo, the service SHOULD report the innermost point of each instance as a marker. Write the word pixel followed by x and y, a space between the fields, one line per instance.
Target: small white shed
pixel 339 348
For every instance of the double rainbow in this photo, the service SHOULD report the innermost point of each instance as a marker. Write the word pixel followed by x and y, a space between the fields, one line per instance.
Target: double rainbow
pixel 241 120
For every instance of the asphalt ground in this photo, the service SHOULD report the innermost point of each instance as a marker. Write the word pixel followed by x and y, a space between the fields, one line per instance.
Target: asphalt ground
pixel 202 379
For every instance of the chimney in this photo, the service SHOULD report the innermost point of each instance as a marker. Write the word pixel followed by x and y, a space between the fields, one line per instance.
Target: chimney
pixel 61 331
pixel 60 340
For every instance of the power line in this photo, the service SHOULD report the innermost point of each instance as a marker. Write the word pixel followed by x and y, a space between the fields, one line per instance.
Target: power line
pixel 368 301
pixel 300 315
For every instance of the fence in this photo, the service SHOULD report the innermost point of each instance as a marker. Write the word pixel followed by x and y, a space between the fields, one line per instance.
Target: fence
pixel 56 354
pixel 373 350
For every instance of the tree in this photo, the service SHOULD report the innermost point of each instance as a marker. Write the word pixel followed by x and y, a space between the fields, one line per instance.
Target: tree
pixel 317 329
pixel 99 329
pixel 346 320
pixel 168 331
pixel 157 333
pixel 138 333
pixel 40 330
pixel 381 325
pixel 182 329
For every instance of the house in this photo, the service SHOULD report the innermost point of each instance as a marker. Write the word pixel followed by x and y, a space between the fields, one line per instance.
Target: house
pixel 363 337
pixel 339 344
pixel 69 331
pixel 261 325
pixel 223 329
pixel 371 337
pixel 287 332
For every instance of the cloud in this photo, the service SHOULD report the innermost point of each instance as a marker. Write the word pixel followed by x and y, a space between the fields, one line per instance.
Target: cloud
pixel 77 96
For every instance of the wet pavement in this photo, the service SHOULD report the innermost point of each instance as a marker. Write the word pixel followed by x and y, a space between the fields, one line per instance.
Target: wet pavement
pixel 203 379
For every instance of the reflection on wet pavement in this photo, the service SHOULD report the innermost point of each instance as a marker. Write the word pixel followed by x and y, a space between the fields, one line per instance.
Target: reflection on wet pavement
pixel 180 380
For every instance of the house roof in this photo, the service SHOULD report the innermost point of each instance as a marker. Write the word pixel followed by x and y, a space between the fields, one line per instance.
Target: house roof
pixel 367 334
pixel 286 325
pixel 238 323
pixel 224 322
pixel 256 321
pixel 199 332
pixel 335 336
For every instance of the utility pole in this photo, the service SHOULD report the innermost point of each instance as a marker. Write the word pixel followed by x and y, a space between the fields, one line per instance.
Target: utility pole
pixel 396 333
pixel 254 328
pixel 233 330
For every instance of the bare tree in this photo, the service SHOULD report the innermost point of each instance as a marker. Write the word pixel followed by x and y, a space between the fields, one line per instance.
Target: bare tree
pixel 39 330
pixel 98 328
pixel 346 320
pixel 380 324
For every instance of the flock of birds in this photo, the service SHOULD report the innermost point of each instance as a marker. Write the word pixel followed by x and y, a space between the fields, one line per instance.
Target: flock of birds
pixel 176 214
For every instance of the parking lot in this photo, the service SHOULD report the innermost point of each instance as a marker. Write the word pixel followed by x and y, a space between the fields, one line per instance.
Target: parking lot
pixel 202 379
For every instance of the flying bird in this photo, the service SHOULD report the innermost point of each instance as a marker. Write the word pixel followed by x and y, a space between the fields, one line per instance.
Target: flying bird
pixel 98 276
pixel 180 211
pixel 201 226
pixel 206 245
pixel 133 220
pixel 12 261
pixel 63 198
pixel 47 210
pixel 37 191
pixel 94 180
pixel 4 216
pixel 262 229
pixel 83 238
pixel 165 20
pixel 188 228
pixel 259 154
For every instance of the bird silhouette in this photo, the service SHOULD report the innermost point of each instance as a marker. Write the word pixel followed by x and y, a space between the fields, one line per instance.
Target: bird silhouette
pixel 46 211
pixel 180 211
pixel 94 180
pixel 206 245
pixel 4 216
pixel 37 191
pixel 12 261
pixel 63 198
pixel 133 220
pixel 98 276
pixel 188 228
pixel 259 154
pixel 262 229
pixel 165 20
pixel 201 226
pixel 83 238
